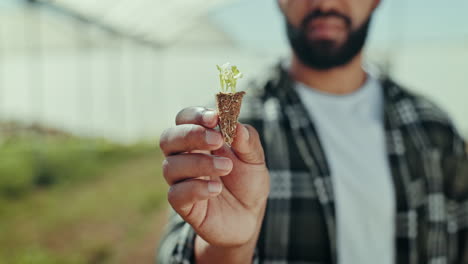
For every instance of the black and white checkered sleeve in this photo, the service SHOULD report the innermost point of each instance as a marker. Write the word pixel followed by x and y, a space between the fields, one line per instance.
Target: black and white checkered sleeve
pixel 177 245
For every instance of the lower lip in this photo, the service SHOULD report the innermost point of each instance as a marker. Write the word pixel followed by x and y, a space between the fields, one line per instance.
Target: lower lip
pixel 324 32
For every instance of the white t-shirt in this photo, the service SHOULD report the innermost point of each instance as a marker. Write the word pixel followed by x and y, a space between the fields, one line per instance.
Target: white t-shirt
pixel 351 130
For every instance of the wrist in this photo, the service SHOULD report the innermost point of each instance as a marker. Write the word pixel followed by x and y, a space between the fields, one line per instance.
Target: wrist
pixel 206 253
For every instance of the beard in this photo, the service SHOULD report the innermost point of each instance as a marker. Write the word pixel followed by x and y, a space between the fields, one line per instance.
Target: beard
pixel 324 54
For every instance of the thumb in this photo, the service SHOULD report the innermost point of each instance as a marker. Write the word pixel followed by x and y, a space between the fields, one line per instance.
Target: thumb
pixel 247 145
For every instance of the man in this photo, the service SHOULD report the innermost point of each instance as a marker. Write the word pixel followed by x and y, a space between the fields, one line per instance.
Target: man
pixel 336 166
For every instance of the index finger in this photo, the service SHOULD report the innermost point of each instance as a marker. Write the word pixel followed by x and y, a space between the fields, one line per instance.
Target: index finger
pixel 197 115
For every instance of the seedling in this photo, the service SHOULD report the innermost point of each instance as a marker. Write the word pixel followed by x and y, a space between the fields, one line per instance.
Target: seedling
pixel 228 101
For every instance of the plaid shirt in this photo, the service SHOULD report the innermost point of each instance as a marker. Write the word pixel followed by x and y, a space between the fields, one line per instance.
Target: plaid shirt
pixel 429 168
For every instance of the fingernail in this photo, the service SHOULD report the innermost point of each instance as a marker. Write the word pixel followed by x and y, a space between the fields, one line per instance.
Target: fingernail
pixel 214 187
pixel 208 116
pixel 222 164
pixel 211 137
pixel 247 133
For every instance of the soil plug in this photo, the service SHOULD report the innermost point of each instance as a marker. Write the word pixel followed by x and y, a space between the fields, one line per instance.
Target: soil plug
pixel 228 101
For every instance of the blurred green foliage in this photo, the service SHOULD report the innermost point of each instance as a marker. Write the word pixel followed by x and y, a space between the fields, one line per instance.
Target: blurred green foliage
pixel 31 162
pixel 73 200
pixel 38 255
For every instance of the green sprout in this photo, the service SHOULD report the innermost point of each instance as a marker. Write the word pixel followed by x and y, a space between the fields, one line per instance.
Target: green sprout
pixel 228 76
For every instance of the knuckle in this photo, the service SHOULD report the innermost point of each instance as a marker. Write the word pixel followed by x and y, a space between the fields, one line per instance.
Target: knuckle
pixel 252 156
pixel 165 168
pixel 171 195
pixel 194 133
pixel 191 114
pixel 194 190
pixel 205 165
pixel 163 139
pixel 181 113
pixel 198 115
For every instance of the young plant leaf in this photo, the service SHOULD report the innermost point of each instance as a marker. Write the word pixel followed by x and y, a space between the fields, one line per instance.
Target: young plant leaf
pixel 228 76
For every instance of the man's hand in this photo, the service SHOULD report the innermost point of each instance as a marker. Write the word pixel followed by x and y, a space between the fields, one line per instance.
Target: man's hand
pixel 220 191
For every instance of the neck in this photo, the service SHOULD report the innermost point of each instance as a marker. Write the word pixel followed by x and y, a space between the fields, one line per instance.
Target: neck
pixel 339 80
